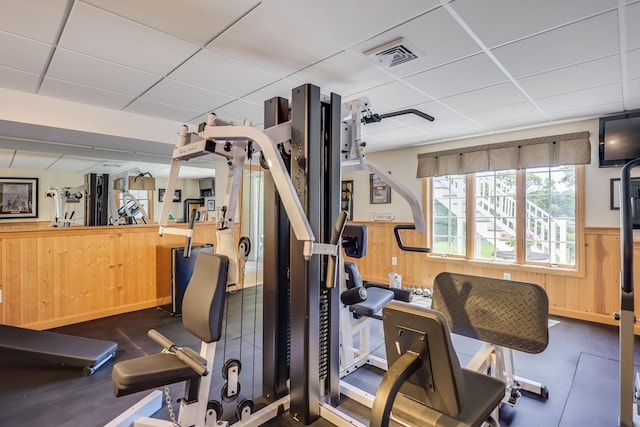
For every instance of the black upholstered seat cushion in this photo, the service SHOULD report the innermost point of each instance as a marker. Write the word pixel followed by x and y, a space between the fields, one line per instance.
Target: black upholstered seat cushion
pixel 481 395
pixel 147 372
pixel 376 299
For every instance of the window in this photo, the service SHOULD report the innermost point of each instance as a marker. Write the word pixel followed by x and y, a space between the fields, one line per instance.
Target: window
pixel 525 216
pixel 144 197
pixel 495 215
pixel 449 215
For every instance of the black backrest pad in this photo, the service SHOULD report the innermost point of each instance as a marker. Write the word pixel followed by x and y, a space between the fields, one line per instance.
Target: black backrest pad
pixel 502 312
pixel 354 279
pixel 203 303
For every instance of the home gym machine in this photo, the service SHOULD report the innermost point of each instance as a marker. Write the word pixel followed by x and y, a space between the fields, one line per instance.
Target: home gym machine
pixel 302 156
pixel 60 216
pixel 629 380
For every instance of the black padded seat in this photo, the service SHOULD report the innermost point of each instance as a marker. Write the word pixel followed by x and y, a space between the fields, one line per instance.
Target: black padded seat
pixel 147 372
pixel 376 299
pixel 55 348
pixel 203 306
pixel 476 409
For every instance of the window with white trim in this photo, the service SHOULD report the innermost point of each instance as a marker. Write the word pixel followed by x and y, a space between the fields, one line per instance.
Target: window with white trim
pixel 519 216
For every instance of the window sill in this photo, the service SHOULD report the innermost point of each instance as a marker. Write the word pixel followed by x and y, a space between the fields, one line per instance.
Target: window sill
pixel 511 266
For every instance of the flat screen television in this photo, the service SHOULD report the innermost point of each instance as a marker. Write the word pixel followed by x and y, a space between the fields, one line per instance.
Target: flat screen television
pixel 619 139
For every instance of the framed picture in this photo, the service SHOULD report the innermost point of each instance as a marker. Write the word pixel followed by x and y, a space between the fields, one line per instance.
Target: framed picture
pixel 211 205
pixel 177 195
pixel 347 199
pixel 379 191
pixel 18 198
pixel 614 191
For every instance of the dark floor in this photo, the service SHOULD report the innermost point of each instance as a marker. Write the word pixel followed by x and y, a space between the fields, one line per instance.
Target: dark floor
pixel 580 369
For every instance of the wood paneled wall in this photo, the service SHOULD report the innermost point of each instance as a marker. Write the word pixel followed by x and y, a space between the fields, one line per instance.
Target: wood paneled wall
pixel 592 293
pixel 54 277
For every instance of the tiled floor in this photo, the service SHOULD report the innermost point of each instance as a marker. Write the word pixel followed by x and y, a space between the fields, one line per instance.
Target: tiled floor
pixel 580 368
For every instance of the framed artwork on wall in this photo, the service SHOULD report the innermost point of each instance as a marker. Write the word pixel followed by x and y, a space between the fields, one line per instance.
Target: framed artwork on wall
pixel 177 195
pixel 379 191
pixel 18 198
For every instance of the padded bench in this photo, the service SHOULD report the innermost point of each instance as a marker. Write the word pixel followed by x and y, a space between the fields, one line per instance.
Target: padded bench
pixel 51 347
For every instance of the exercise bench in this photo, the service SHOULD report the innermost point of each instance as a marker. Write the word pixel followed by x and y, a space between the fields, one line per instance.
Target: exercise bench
pixel 53 348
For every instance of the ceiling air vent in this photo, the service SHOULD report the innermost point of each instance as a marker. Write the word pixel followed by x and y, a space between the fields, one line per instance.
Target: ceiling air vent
pixel 393 53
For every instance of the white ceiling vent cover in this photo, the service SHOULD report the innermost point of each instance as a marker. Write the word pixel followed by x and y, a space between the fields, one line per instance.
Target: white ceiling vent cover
pixel 393 53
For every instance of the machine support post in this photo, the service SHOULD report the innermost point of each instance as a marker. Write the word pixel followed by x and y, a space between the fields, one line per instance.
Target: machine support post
pixel 306 168
pixel 275 371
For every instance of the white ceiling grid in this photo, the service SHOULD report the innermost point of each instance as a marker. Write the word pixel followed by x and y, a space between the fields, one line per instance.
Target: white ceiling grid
pixel 484 66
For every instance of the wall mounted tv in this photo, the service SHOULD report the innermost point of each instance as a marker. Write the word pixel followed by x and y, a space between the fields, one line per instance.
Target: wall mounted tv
pixel 619 139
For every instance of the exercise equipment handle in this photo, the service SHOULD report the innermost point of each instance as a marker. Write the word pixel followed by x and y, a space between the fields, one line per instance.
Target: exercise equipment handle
pixel 408 111
pixel 396 232
pixel 626 229
pixel 195 215
pixel 336 236
pixel 395 377
pixel 183 355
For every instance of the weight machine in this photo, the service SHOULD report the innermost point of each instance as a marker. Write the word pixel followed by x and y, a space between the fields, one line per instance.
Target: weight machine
pixel 302 156
pixel 59 197
pixel 629 414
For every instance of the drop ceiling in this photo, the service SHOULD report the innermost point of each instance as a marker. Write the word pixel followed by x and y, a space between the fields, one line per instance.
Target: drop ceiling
pixel 483 66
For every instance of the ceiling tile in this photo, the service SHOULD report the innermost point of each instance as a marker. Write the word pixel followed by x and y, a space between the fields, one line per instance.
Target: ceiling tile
pixel 457 77
pixel 345 73
pixel 89 71
pixel 216 72
pixel 436 35
pixel 521 18
pixel 485 98
pixel 589 112
pixel 238 111
pixel 96 32
pixel 29 160
pixel 6 157
pixel 181 95
pixel 267 40
pixel 35 19
pixel 337 16
pixel 398 135
pixel 452 126
pixel 633 64
pixel 206 18
pixel 165 111
pixel 633 31
pixel 75 164
pixel 582 99
pixel 19 80
pixel 84 94
pixel 391 97
pixel 23 54
pixel 589 74
pixel 562 47
pixel 281 88
pixel 633 87
pixel 524 112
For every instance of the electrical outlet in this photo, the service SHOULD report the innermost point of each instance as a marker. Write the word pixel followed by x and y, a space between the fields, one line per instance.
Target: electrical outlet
pixel 394 260
pixel 506 276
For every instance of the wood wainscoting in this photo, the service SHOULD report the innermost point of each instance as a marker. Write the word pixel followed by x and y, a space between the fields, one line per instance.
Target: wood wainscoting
pixel 55 277
pixel 589 293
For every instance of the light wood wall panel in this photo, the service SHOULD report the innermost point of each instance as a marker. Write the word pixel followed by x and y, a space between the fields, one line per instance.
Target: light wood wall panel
pixel 590 293
pixel 54 277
